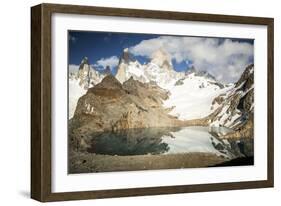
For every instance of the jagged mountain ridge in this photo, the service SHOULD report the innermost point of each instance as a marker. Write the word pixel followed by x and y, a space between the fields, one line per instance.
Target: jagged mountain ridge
pixel 159 69
pixel 86 75
pixel 197 95
pixel 235 108
pixel 80 81
pixel 191 95
pixel 129 67
pixel 112 106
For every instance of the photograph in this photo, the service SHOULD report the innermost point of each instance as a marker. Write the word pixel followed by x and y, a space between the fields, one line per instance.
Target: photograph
pixel 140 101
pixel 133 102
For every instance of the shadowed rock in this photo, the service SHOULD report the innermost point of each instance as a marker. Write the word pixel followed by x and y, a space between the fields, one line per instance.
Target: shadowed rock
pixel 238 103
pixel 111 106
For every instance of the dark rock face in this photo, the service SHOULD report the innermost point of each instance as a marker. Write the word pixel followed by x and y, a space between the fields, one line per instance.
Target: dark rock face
pixel 84 61
pixel 87 75
pixel 111 106
pixel 219 99
pixel 126 57
pixel 107 70
pixel 244 147
pixel 239 102
pixel 205 74
pixel 190 70
pixel 179 82
pixel 247 78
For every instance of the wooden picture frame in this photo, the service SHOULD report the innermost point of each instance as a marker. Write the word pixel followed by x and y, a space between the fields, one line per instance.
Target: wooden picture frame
pixel 41 96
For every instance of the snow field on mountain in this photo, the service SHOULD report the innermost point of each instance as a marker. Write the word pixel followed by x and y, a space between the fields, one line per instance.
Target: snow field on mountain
pixel 193 99
pixel 135 69
pixel 75 92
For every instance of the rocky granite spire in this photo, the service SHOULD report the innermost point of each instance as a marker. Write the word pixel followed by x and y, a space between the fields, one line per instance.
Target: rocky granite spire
pixel 129 67
pixel 161 58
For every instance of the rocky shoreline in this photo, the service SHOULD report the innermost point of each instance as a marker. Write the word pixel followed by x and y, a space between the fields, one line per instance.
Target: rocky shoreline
pixel 87 162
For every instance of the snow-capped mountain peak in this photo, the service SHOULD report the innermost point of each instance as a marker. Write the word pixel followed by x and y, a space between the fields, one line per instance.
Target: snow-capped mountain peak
pixel 205 74
pixel 191 92
pixel 84 61
pixel 192 95
pixel 126 57
pixel 159 69
pixel 162 59
pixel 236 105
pixel 129 67
pixel 201 73
pixel 80 81
pixel 190 70
pixel 84 73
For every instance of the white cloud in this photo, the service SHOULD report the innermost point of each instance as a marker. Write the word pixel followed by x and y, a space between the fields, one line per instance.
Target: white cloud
pixel 225 59
pixel 111 62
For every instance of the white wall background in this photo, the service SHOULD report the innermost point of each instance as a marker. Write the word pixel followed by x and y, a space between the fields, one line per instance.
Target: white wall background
pixel 15 101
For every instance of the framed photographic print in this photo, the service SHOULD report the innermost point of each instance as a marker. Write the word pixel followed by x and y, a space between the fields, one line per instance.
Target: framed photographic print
pixel 132 102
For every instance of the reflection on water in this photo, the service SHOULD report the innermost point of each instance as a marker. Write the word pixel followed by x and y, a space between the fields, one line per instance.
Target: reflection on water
pixel 167 140
pixel 131 142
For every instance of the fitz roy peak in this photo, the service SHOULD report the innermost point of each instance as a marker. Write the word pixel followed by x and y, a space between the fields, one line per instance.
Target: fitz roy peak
pixel 129 67
pixel 159 70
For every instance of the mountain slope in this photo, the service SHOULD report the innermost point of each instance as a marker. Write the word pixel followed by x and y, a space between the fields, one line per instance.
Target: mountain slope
pixel 192 96
pixel 130 67
pixel 80 81
pixel 236 105
pixel 191 92
pixel 159 70
pixel 111 106
pixel 235 109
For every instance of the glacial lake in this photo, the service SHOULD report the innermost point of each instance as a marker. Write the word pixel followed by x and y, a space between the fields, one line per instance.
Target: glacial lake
pixel 167 141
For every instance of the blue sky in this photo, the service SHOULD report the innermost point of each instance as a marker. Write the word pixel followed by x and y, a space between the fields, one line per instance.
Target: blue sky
pixel 103 48
pixel 98 45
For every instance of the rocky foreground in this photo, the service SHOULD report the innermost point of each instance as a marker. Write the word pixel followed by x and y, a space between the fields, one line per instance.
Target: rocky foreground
pixel 87 162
